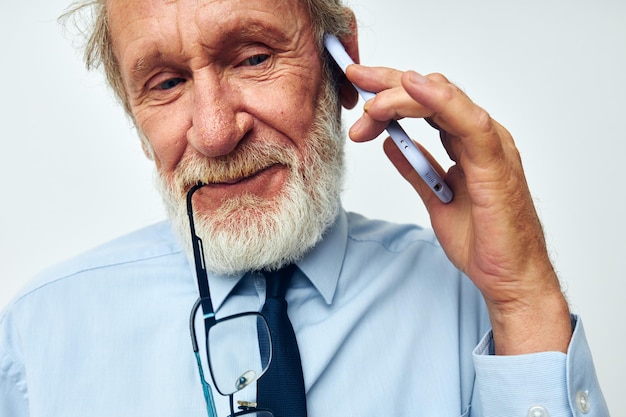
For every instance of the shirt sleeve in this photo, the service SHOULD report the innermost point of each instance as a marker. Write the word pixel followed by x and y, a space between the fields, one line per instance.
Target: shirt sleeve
pixel 13 392
pixel 543 384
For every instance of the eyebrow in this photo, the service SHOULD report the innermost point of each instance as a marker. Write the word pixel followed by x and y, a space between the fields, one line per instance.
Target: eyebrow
pixel 240 32
pixel 144 61
pixel 254 29
pixel 149 58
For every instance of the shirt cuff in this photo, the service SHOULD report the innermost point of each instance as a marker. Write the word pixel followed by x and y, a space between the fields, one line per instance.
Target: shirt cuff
pixel 550 384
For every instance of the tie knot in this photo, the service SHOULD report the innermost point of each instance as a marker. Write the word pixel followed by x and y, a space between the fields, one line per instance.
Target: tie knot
pixel 277 282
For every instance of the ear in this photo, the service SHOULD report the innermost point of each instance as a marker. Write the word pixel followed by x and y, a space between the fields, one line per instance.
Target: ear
pixel 348 95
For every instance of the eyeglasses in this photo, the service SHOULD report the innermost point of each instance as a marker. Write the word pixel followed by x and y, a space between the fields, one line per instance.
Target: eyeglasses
pixel 238 347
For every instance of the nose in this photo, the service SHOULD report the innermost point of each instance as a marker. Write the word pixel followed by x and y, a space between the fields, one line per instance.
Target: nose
pixel 219 121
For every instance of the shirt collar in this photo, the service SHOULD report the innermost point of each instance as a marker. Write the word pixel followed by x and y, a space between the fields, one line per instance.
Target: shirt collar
pixel 322 265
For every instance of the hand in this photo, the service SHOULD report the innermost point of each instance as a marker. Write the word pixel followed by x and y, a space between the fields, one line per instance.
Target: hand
pixel 490 230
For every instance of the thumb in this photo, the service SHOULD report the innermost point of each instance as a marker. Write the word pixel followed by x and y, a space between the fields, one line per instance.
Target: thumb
pixel 407 171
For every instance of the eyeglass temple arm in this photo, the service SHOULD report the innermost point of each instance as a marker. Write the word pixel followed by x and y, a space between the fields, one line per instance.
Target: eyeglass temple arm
pixel 198 255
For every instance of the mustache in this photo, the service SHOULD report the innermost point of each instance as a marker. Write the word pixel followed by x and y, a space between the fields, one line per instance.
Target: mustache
pixel 246 160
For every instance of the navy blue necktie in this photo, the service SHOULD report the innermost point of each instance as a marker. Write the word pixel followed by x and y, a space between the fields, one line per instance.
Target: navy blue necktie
pixel 281 388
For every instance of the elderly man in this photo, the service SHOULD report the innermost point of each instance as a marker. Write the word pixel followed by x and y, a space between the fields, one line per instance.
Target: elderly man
pixel 237 101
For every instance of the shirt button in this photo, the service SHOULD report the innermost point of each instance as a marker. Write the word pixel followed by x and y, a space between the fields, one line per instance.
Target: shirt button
pixel 582 401
pixel 538 411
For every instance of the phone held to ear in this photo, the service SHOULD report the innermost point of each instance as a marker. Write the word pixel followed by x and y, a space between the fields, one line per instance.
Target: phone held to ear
pixel 410 151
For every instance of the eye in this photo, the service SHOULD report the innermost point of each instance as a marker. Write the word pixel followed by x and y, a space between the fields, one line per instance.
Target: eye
pixel 255 60
pixel 170 83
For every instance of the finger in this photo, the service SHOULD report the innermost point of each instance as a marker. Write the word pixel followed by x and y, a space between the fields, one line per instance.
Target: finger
pixel 391 101
pixel 455 113
pixel 373 79
pixel 407 171
pixel 395 103
pixel 366 128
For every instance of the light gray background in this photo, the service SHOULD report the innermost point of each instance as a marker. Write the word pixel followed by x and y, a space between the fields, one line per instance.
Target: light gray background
pixel 73 175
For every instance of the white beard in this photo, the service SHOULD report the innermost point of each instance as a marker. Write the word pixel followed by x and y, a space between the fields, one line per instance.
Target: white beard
pixel 249 233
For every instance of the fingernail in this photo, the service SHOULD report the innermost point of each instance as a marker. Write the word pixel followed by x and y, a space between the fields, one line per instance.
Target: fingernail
pixel 356 128
pixel 367 105
pixel 416 78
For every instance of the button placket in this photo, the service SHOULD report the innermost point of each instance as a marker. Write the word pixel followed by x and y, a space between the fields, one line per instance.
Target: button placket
pixel 538 411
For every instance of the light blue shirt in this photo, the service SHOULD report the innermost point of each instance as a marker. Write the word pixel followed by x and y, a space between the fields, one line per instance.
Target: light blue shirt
pixel 385 324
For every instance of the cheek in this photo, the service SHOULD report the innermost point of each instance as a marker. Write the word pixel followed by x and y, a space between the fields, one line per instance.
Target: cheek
pixel 290 109
pixel 166 131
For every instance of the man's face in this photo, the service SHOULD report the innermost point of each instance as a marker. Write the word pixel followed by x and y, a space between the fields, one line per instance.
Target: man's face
pixel 229 92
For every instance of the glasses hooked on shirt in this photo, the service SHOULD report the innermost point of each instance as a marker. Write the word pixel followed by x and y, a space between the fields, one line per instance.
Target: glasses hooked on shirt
pixel 238 348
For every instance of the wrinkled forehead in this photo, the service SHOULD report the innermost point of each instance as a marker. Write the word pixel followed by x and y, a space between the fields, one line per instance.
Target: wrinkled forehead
pixel 210 15
pixel 181 23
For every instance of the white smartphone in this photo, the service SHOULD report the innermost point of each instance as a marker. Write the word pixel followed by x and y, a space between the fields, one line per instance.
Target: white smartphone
pixel 411 152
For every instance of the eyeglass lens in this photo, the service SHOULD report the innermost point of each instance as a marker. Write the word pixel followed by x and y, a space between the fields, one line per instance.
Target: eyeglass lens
pixel 239 351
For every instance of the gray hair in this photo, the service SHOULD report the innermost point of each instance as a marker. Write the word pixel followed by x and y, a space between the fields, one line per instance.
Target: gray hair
pixel 91 19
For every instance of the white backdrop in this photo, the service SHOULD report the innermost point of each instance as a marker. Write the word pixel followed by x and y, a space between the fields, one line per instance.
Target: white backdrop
pixel 553 72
